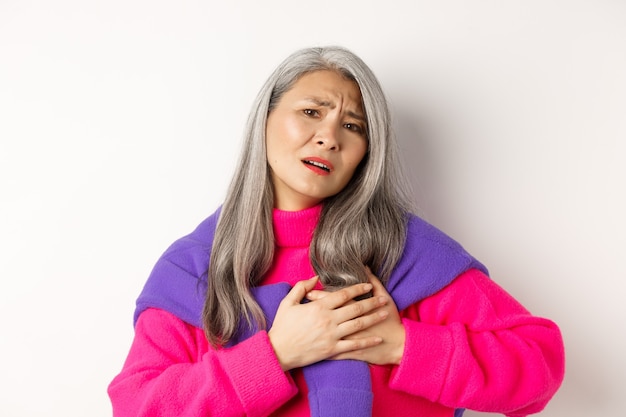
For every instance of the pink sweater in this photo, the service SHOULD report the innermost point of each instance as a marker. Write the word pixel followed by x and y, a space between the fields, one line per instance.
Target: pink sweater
pixel 471 345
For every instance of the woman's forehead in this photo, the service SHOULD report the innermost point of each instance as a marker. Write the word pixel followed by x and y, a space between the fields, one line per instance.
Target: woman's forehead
pixel 328 88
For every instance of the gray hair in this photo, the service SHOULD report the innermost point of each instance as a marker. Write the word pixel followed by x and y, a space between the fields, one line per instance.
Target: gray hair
pixel 364 224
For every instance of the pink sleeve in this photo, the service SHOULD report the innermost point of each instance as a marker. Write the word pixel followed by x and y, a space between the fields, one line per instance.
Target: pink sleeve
pixel 171 371
pixel 474 346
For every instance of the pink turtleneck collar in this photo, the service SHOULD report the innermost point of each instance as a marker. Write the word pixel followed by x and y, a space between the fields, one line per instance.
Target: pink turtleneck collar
pixel 295 228
pixel 293 231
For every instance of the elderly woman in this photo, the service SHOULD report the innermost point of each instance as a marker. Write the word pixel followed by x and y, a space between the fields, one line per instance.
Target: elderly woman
pixel 314 291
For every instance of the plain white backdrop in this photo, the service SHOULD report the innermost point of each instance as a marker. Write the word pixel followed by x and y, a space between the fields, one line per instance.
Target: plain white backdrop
pixel 120 122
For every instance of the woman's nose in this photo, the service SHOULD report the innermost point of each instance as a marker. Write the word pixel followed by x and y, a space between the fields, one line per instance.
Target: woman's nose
pixel 327 136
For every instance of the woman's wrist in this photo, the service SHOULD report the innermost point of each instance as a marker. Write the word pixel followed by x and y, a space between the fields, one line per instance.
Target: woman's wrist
pixel 398 352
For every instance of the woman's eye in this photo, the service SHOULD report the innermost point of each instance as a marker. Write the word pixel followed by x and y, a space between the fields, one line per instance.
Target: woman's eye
pixel 310 112
pixel 354 127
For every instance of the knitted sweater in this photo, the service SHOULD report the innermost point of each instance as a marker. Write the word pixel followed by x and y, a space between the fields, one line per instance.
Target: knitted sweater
pixel 457 353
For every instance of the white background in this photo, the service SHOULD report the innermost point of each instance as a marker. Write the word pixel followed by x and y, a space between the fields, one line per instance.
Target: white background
pixel 120 122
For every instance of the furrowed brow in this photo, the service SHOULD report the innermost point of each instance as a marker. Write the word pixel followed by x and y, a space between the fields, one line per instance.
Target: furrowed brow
pixel 328 104
pixel 357 116
pixel 319 102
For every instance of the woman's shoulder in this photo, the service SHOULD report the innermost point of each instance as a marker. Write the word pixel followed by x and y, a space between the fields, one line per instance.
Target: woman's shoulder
pixel 201 236
pixel 427 242
pixel 424 232
pixel 431 260
pixel 191 252
pixel 177 283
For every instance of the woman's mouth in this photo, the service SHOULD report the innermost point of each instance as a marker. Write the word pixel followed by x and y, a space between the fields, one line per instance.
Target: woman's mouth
pixel 318 165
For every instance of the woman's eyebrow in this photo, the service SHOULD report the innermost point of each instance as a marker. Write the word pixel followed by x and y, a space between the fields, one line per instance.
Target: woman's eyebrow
pixel 324 103
pixel 320 102
pixel 356 116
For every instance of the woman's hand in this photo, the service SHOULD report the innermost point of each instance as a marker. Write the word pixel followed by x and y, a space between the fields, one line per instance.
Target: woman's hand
pixel 307 333
pixel 390 330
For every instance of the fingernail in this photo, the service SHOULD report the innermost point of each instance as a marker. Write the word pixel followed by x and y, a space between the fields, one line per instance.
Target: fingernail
pixel 383 314
pixel 382 299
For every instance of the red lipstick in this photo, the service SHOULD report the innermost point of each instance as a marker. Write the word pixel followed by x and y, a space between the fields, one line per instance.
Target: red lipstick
pixel 318 165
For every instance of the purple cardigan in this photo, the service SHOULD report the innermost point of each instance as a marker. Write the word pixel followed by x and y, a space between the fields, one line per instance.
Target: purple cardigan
pixel 430 261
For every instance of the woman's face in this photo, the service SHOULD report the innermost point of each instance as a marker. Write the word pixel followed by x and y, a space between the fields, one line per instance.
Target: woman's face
pixel 316 137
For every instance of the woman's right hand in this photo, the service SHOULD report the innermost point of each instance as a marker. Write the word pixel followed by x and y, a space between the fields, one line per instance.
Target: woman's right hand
pixel 303 334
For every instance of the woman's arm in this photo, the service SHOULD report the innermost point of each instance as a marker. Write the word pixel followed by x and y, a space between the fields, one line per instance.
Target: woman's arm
pixel 474 346
pixel 171 371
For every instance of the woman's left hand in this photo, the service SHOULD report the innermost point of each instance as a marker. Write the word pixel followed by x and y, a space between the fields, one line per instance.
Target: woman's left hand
pixel 390 330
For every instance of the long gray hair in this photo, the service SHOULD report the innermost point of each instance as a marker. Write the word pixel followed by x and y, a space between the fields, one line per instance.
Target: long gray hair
pixel 364 224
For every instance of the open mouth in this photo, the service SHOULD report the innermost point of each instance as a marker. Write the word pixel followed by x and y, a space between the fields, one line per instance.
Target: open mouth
pixel 317 164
